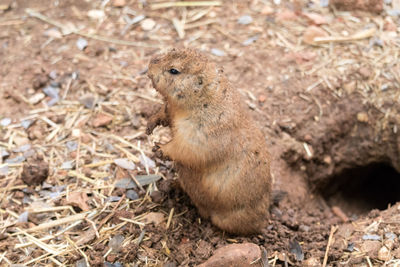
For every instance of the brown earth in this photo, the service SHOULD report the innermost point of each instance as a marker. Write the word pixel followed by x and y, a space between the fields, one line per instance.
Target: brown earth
pixel 329 113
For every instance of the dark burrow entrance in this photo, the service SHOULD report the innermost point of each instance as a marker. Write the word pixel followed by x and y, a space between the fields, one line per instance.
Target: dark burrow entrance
pixel 358 190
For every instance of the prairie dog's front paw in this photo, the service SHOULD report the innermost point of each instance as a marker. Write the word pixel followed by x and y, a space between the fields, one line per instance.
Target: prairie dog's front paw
pixel 158 152
pixel 150 127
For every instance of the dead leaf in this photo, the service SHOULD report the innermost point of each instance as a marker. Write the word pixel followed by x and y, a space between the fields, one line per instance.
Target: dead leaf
pixel 154 217
pixel 78 199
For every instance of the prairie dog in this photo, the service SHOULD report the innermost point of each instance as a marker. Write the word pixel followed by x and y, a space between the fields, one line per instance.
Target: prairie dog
pixel 220 153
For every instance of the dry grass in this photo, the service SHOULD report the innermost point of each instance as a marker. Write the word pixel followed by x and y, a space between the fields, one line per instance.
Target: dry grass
pixel 59 229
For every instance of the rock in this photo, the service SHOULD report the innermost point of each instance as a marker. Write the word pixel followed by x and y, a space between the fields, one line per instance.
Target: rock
pixel 311 262
pixel 102 119
pixel 35 173
pixel 148 24
pixel 217 52
pixel 267 10
pixel 389 25
pixel 312 32
pixel 116 242
pixel 244 20
pixel 147 179
pixel 5 122
pixel 78 199
pixel 52 92
pixel 146 161
pixel 36 98
pixel 88 100
pixel 371 248
pixel 365 72
pixel 384 254
pixel 234 255
pixel 119 3
pixel 96 14
pixel 125 183
pixel 154 217
pixel 131 194
pixel 362 117
pixel 39 81
pixel 125 163
pixel 81 43
pixel 374 6
pixel 262 98
pixel 316 18
pixel 81 263
pixel 285 15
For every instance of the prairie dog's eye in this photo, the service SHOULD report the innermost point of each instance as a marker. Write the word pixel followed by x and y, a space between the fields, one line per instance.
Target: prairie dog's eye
pixel 174 71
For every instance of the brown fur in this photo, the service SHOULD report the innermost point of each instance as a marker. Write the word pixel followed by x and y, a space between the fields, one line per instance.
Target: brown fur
pixel 220 153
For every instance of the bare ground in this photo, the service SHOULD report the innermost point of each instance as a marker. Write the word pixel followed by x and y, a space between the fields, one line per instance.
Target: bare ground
pixel 329 112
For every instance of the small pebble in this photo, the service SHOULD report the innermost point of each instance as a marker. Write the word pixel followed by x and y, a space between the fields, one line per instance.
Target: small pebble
pixel 126 183
pixel 324 3
pixel 125 163
pixel 244 20
pixel 53 74
pixel 217 52
pixel 72 145
pixel 81 43
pixel 132 195
pixel 5 122
pixel 26 123
pixel 147 179
pixel 52 92
pixel 67 165
pixel 15 160
pixel 22 148
pixel 119 3
pixel 23 217
pixel 148 24
pixel 146 161
pixel 81 263
pixel 371 237
pixel 4 153
pixel 113 198
pixel 4 170
pixel 350 247
pixel 390 235
pixel 250 40
pixel 96 14
pixel 88 100
pixel 116 242
pixel 304 228
pixel 384 254
pixel 36 98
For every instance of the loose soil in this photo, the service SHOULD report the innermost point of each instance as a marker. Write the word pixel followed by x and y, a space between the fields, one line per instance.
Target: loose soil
pixel 331 129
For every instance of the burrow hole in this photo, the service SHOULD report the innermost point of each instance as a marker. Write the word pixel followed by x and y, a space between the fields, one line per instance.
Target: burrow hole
pixel 361 189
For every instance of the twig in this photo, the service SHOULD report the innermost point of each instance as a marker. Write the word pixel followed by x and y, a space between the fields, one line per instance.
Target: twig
pixel 67 31
pixel 355 37
pixel 185 4
pixel 333 230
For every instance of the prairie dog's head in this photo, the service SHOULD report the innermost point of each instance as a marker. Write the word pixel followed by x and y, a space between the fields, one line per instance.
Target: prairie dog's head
pixel 185 77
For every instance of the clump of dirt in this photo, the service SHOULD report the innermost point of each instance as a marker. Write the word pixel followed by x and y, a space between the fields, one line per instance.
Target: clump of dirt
pixel 329 113
pixel 35 172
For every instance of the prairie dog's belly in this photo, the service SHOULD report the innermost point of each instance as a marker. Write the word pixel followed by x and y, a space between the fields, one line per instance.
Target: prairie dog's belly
pixel 212 187
pixel 190 132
